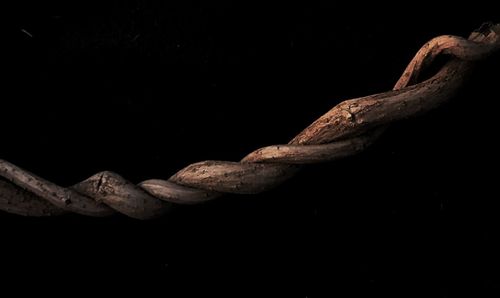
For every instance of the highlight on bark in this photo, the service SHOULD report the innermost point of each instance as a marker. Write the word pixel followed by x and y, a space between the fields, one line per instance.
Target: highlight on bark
pixel 346 129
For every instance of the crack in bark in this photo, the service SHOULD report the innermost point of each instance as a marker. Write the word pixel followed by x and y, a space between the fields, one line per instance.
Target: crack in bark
pixel 346 129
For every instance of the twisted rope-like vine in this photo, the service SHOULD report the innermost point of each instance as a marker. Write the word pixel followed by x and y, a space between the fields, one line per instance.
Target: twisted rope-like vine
pixel 345 130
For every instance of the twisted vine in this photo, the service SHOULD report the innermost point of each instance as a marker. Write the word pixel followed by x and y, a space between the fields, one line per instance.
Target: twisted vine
pixel 344 130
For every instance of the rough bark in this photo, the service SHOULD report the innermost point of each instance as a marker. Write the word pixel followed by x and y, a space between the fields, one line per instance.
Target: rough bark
pixel 344 130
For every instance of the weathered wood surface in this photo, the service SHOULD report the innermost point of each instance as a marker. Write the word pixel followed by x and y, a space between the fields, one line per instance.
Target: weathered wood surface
pixel 344 130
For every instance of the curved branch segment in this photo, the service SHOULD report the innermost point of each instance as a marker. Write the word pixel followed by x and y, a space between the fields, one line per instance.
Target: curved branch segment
pixel 346 129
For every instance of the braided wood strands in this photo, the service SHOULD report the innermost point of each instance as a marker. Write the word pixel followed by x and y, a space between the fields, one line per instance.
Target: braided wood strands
pixel 344 130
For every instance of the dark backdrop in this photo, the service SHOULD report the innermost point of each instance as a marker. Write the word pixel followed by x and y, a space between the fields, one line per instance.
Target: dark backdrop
pixel 144 88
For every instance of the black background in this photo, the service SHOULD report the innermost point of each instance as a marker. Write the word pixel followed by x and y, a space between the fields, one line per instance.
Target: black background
pixel 144 88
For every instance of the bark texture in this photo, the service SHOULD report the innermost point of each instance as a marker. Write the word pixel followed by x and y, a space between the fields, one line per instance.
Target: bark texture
pixel 344 130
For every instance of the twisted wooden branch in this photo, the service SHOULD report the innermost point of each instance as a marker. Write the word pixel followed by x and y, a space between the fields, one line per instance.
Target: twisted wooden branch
pixel 344 130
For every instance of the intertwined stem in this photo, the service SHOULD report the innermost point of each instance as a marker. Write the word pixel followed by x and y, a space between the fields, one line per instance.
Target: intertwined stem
pixel 344 130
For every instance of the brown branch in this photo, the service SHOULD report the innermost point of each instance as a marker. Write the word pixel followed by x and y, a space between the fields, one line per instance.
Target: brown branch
pixel 344 130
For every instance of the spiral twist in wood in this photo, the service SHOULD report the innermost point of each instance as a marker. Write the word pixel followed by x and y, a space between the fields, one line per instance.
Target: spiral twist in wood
pixel 344 130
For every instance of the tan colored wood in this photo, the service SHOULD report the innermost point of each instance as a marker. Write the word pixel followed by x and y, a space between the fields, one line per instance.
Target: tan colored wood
pixel 344 130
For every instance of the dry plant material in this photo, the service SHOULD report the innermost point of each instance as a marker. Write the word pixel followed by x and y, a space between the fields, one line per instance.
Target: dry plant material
pixel 344 130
